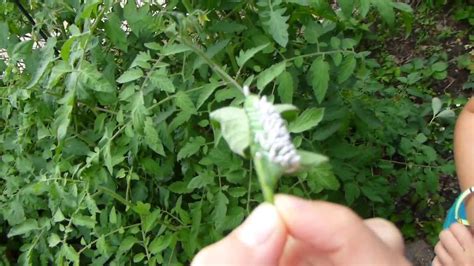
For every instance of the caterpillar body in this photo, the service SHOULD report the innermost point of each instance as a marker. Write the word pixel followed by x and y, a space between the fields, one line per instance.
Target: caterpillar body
pixel 271 146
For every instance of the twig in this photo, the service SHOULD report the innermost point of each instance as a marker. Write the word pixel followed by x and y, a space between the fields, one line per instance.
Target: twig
pixel 43 34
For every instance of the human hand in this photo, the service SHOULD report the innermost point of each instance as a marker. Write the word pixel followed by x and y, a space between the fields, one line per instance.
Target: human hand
pixel 300 232
pixel 455 247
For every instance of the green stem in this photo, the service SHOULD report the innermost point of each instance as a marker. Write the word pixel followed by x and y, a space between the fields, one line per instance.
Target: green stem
pixel 267 189
pixel 226 77
pixel 267 193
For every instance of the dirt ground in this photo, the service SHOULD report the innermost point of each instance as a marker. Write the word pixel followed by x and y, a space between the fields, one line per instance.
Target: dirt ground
pixel 419 253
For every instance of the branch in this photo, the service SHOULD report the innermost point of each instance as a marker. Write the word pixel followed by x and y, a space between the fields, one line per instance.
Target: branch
pixel 43 33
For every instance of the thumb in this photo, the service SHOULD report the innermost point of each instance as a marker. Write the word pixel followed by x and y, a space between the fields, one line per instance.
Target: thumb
pixel 258 241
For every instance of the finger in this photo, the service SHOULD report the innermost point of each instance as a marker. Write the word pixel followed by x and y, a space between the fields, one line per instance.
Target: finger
pixel 462 235
pixel 258 241
pixel 442 255
pixel 336 232
pixel 387 232
pixel 298 253
pixel 436 262
pixel 451 244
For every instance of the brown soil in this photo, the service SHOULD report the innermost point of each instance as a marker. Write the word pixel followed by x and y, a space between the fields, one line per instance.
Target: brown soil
pixel 419 253
pixel 426 39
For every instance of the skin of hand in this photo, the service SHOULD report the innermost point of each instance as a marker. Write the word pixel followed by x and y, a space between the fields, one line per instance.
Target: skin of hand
pixel 455 247
pixel 300 232
pixel 464 153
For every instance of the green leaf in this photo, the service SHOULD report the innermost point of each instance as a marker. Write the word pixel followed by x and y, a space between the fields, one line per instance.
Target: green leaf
pixel 285 108
pixel 138 257
pixel 154 46
pixel 347 68
pixel 211 52
pixel 311 159
pixel 364 7
pixel 160 243
pixel 228 27
pixel 66 48
pixel 91 79
pixel 53 240
pixel 314 29
pixel 47 56
pixel 366 115
pixel 142 208
pixel 130 75
pixel 352 192
pixel 269 75
pixel 273 21
pixel 371 194
pixel 159 79
pixel 439 66
pixel 88 8
pixel 63 115
pixel 319 78
pixel 141 60
pixel 58 216
pixel 5 33
pixel 200 181
pixel 179 187
pixel 23 228
pixel 127 243
pixel 421 138
pixel 436 105
pixel 205 93
pixel 235 127
pixel 244 56
pixel 184 102
pixel 286 87
pixel 70 253
pixel 308 119
pixel 138 110
pixel 152 138
pixel 113 216
pixel 117 36
pixel 81 220
pixel 324 176
pixel 323 9
pixel 386 10
pixel 448 113
pixel 402 7
pixel 57 73
pixel 220 209
pixel 179 120
pixel 191 148
pixel 173 49
pixel 149 221
pixel 347 6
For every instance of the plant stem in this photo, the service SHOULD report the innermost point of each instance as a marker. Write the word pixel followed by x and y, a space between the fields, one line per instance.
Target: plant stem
pixel 267 193
pixel 267 189
pixel 211 63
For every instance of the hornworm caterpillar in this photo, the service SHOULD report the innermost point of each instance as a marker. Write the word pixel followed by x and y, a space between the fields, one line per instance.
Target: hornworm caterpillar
pixel 271 146
pixel 260 127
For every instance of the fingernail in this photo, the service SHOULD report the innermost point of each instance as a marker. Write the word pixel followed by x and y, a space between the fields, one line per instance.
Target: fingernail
pixel 259 225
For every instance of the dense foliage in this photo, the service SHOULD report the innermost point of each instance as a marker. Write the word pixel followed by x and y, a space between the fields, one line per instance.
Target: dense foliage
pixel 108 153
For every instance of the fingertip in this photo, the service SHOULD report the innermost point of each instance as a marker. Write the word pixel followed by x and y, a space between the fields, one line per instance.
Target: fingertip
pixel 259 226
pixel 199 259
pixel 260 240
pixel 316 222
pixel 387 232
